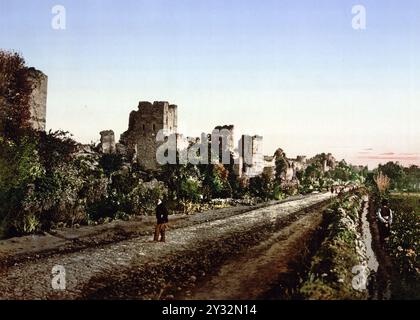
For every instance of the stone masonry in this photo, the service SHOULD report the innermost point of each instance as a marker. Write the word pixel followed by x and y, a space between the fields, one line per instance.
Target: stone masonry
pixel 108 145
pixel 223 136
pixel 38 101
pixel 144 125
pixel 139 142
pixel 253 158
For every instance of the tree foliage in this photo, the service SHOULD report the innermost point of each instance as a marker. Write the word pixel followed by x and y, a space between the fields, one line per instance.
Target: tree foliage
pixel 15 93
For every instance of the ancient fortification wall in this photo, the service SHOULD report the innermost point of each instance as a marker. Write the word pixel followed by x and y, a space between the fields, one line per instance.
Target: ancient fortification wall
pixel 252 148
pixel 144 125
pixel 38 101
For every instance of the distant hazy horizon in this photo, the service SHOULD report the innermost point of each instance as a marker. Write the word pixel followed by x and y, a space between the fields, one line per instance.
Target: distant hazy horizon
pixel 295 72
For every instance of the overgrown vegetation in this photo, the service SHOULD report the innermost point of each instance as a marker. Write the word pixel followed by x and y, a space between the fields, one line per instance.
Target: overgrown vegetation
pixel 401 179
pixel 404 240
pixel 47 180
pixel 330 276
pixel 44 181
pixel 404 246
pixel 15 91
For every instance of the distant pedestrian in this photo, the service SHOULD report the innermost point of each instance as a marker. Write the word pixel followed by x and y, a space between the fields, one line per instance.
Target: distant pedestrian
pixel 385 216
pixel 161 220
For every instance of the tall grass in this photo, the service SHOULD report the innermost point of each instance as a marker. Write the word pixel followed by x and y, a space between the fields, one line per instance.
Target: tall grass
pixel 382 182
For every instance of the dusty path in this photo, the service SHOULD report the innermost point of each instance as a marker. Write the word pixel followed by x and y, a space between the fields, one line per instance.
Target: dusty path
pixel 70 240
pixel 267 270
pixel 138 268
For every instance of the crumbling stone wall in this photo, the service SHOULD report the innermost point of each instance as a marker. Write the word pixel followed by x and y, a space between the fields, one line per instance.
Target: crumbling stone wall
pixel 38 100
pixel 329 163
pixel 140 144
pixel 295 165
pixel 270 166
pixel 107 145
pixel 252 152
pixel 144 125
pixel 224 137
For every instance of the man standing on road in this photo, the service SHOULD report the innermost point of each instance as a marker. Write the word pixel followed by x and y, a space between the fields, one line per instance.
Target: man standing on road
pixel 162 220
pixel 384 215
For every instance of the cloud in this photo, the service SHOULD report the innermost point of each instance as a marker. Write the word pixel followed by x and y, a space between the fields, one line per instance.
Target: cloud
pixel 387 154
pixel 366 151
pixel 390 157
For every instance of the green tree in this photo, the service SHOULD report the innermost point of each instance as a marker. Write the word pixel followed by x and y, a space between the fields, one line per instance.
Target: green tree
pixel 20 168
pixel 395 172
pixel 15 93
pixel 110 163
pixel 262 187
pixel 281 168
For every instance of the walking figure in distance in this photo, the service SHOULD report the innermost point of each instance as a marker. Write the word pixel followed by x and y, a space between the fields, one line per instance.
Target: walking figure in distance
pixel 161 220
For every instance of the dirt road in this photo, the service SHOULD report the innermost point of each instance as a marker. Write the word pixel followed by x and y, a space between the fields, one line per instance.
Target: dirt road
pixel 268 270
pixel 138 268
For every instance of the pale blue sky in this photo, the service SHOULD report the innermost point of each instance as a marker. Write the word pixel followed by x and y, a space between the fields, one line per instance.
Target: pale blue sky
pixel 293 71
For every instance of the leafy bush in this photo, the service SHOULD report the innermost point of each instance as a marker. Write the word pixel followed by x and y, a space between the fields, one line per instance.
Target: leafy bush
pixel 42 183
pixel 261 187
pixel 110 163
pixel 278 192
pixel 330 275
pixel 215 181
pixel 145 196
pixel 190 190
pixel 15 91
pixel 404 246
pixel 20 168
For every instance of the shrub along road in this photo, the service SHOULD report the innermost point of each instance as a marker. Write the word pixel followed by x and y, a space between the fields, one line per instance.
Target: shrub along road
pixel 139 268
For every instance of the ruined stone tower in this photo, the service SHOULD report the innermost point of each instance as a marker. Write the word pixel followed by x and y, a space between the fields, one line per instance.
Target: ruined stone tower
pixel 224 140
pixel 38 100
pixel 107 145
pixel 144 125
pixel 251 148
